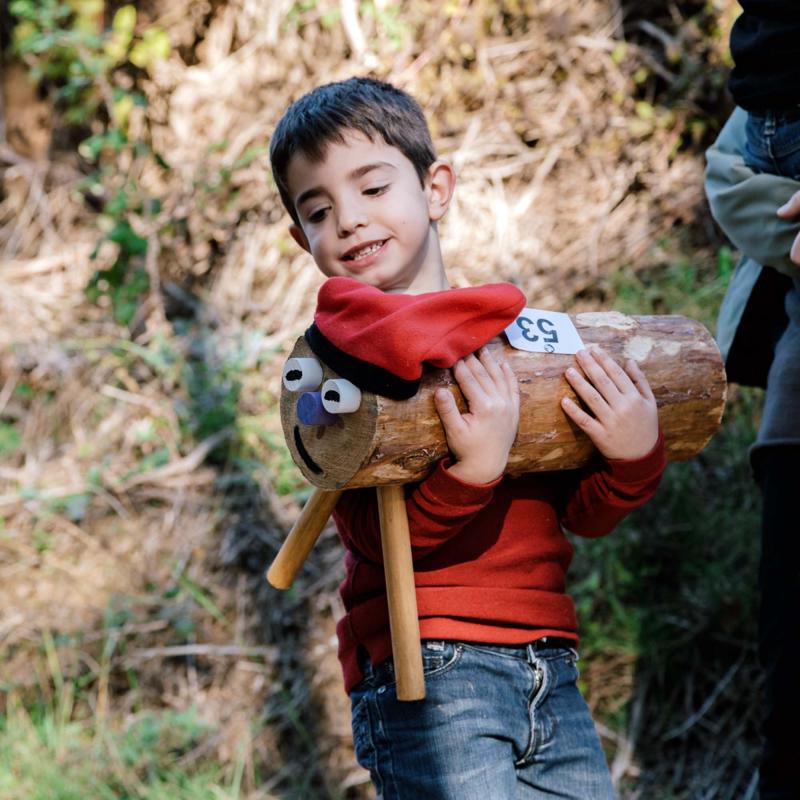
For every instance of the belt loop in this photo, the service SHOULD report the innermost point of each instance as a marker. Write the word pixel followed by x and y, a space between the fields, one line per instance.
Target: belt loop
pixel 530 653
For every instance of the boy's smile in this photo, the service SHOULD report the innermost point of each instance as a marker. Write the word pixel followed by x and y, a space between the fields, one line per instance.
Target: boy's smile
pixel 365 214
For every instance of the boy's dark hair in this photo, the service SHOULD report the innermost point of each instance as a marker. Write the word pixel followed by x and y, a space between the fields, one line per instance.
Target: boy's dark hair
pixel 324 115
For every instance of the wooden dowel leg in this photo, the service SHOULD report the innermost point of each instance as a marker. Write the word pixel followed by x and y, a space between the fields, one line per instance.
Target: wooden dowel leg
pixel 302 537
pixel 401 594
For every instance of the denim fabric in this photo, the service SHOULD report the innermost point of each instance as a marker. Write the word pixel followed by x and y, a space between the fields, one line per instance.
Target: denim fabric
pixel 773 143
pixel 497 723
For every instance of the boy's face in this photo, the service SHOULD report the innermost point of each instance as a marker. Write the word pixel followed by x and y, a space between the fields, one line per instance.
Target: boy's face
pixel 364 214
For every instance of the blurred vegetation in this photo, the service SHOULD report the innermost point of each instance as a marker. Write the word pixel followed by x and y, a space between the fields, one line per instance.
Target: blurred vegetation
pixel 139 435
pixel 69 50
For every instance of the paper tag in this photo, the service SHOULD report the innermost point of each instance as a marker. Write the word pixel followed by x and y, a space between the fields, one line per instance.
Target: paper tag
pixel 544 332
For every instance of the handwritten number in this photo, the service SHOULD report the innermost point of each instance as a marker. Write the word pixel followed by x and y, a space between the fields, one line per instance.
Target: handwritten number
pixel 550 336
pixel 525 326
pixel 545 327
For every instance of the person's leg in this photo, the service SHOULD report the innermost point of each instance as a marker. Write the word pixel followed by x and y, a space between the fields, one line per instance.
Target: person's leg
pixel 564 759
pixel 778 474
pixel 462 741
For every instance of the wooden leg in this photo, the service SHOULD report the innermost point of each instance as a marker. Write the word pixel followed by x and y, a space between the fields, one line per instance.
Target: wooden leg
pixel 302 537
pixel 401 594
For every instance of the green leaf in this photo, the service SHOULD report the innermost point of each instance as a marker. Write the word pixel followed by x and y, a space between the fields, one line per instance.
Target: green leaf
pixel 10 439
pixel 725 263
pixel 155 45
pixel 124 20
pixel 123 234
pixel 644 110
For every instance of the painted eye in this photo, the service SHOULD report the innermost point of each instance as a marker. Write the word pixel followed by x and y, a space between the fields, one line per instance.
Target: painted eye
pixel 340 396
pixel 302 374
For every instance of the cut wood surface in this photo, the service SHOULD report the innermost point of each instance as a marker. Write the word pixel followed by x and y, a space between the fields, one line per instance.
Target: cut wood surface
pixel 393 442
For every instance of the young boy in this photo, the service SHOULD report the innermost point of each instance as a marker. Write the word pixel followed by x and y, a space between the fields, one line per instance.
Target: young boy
pixel 503 717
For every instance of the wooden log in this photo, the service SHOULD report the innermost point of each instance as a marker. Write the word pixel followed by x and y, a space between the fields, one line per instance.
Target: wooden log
pixel 401 593
pixel 302 538
pixel 392 442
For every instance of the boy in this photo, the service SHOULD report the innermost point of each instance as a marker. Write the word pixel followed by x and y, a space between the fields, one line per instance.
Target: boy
pixel 503 717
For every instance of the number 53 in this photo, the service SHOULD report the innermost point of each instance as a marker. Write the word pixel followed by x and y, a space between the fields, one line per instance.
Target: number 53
pixel 545 327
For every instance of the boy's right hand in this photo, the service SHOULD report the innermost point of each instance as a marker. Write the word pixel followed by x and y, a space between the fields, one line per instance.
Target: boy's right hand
pixel 480 439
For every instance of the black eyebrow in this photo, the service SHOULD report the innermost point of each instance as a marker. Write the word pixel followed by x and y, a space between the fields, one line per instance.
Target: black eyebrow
pixel 359 172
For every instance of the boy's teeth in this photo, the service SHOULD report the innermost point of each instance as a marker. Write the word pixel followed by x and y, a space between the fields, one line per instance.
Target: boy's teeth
pixel 367 251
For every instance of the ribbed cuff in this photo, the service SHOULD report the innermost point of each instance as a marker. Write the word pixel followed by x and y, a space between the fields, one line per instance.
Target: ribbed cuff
pixel 444 487
pixel 644 469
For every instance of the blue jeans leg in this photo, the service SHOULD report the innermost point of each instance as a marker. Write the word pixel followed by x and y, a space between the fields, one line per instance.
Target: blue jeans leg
pixel 498 723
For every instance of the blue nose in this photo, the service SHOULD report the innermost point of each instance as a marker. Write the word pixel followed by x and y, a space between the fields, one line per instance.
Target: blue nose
pixel 310 410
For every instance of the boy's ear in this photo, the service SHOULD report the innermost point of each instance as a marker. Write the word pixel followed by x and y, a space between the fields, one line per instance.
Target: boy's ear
pixel 299 237
pixel 439 186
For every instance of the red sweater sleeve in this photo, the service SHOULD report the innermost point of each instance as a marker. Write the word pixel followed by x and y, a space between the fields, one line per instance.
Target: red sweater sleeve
pixel 605 496
pixel 438 509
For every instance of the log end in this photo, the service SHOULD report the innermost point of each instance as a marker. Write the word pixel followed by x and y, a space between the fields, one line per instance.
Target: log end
pixel 328 454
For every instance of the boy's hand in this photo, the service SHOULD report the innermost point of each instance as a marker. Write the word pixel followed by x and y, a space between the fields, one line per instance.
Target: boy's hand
pixel 625 421
pixel 480 439
pixel 788 210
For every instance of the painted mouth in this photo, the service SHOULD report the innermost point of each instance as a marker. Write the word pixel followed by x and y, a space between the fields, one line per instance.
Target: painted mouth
pixel 304 454
pixel 364 251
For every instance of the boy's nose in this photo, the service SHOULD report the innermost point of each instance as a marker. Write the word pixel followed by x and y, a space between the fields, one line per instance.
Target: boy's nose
pixel 350 219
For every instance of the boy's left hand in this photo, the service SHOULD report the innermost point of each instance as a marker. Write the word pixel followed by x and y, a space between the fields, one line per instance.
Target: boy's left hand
pixel 625 421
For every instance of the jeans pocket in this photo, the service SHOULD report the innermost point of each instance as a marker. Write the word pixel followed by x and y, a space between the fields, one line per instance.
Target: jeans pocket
pixel 362 734
pixel 438 657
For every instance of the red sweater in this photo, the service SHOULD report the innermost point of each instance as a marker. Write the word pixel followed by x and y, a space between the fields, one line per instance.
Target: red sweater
pixel 490 561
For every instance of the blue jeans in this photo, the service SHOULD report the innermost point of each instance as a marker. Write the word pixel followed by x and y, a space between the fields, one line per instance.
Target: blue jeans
pixel 498 723
pixel 773 143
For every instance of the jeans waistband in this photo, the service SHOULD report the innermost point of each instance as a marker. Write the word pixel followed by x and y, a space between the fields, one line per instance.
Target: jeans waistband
pixel 787 114
pixel 385 670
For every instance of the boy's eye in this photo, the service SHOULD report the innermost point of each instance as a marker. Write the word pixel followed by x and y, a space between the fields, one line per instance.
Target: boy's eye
pixel 318 215
pixel 375 190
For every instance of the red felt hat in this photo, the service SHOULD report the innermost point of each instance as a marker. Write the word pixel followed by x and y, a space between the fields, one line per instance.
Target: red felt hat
pixel 380 341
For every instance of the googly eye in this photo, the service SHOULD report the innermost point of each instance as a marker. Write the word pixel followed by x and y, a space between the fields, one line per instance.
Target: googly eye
pixel 339 396
pixel 302 374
